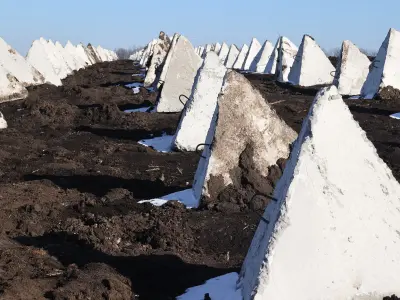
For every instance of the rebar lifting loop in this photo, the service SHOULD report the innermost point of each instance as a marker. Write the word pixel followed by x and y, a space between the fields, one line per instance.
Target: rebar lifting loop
pixel 268 196
pixel 187 99
pixel 333 75
pixel 199 145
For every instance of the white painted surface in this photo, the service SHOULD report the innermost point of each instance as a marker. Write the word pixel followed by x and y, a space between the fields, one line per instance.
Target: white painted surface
pixel 384 70
pixel 196 118
pixel 286 54
pixel 3 122
pixel 39 58
pixel 160 144
pixel 241 106
pixel 266 53
pixel 10 88
pixel 182 69
pixel 311 66
pixel 18 66
pixel 223 52
pixel 186 197
pixel 219 288
pixel 352 70
pixel 168 60
pixel 395 116
pixel 241 57
pixel 232 56
pixel 334 231
pixel 252 56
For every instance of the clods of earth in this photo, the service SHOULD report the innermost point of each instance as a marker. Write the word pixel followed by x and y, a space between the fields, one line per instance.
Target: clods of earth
pixel 72 173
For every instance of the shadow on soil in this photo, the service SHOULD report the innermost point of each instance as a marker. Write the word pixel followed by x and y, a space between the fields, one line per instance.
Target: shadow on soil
pixel 121 134
pixel 100 185
pixel 152 276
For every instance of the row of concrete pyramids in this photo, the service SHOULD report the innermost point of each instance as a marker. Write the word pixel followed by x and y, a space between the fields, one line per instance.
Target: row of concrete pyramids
pixel 332 225
pixel 46 62
pixel 354 75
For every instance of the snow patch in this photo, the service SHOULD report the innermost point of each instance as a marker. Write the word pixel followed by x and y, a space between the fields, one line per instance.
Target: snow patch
pixel 395 116
pixel 160 144
pixel 186 197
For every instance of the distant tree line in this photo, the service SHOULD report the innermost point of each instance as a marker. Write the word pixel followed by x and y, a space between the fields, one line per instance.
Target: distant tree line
pixel 336 52
pixel 125 53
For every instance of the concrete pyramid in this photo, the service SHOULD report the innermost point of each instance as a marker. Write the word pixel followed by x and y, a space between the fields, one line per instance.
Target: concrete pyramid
pixel 252 55
pixel 68 58
pixel 3 122
pixel 82 53
pixel 384 70
pixel 352 70
pixel 90 55
pixel 160 51
pixel 93 53
pixel 165 65
pixel 223 52
pixel 39 58
pixel 334 225
pixel 72 50
pixel 311 66
pixel 198 113
pixel 272 63
pixel 10 88
pixel 232 56
pixel 57 60
pixel 286 55
pixel 266 53
pixel 241 57
pixel 201 50
pixel 263 138
pixel 207 49
pixel 18 66
pixel 217 47
pixel 147 53
pixel 181 70
pixel 102 54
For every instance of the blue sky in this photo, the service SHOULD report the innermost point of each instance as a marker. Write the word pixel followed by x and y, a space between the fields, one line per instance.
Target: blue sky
pixel 126 23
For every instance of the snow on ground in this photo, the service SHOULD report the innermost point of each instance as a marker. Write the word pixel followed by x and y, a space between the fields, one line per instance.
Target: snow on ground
pixel 396 116
pixel 141 109
pixel 134 84
pixel 161 143
pixel 218 288
pixel 186 197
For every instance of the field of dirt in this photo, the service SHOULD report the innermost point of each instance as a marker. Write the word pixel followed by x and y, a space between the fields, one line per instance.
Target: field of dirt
pixel 71 175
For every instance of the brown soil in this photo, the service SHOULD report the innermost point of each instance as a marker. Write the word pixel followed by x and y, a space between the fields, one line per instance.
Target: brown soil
pixel 72 172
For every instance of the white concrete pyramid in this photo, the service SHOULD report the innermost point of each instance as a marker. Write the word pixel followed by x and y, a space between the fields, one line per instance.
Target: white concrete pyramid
pixel 102 54
pixel 240 105
pixel 198 113
pixel 352 70
pixel 384 70
pixel 333 231
pixel 18 66
pixel 160 51
pixel 94 53
pixel 82 53
pixel 271 66
pixel 232 56
pixel 266 53
pixel 201 51
pixel 286 55
pixel 40 59
pixel 311 66
pixel 68 58
pixel 167 61
pixel 223 52
pixel 72 50
pixel 59 65
pixel 90 55
pixel 181 70
pixel 241 57
pixel 217 47
pixel 10 88
pixel 252 55
pixel 3 122
pixel 147 53
pixel 207 49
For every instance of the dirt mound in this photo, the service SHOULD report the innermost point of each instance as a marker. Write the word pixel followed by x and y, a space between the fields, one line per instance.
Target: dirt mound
pixel 389 93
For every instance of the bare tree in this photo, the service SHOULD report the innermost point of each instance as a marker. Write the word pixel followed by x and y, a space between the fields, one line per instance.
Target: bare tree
pixel 125 53
pixel 369 52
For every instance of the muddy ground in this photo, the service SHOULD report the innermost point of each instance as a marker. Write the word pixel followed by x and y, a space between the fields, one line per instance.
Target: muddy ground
pixel 71 174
